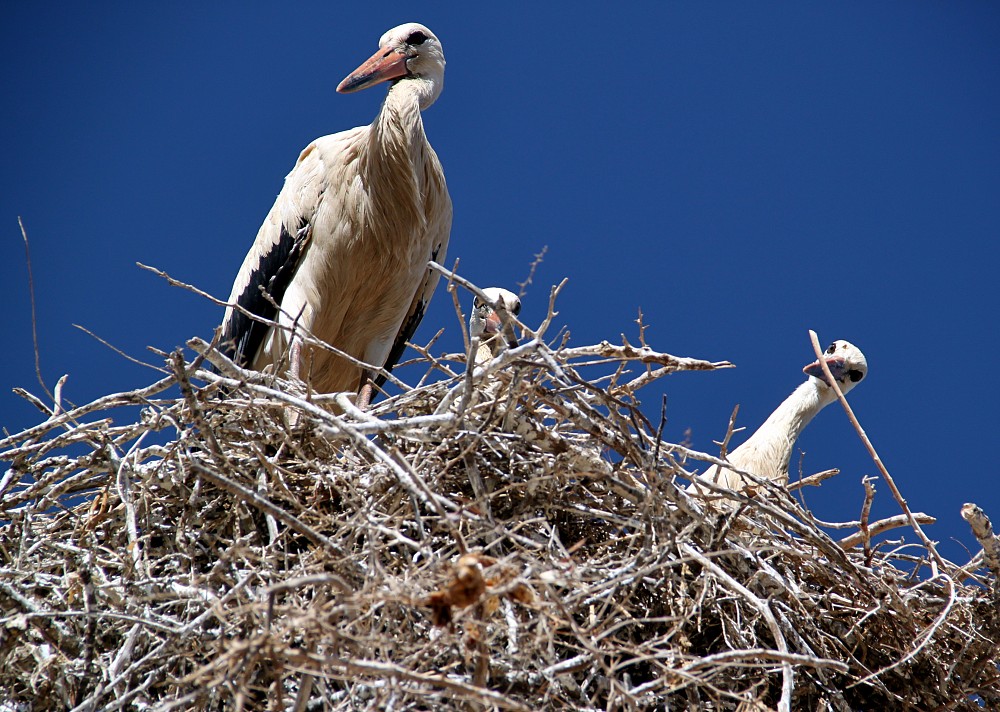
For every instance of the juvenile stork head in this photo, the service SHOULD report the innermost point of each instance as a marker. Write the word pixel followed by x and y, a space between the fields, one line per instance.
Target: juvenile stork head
pixel 489 320
pixel 409 52
pixel 768 451
pixel 847 364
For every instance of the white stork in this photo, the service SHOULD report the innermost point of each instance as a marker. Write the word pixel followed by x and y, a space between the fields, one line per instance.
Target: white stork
pixel 493 329
pixel 343 253
pixel 768 451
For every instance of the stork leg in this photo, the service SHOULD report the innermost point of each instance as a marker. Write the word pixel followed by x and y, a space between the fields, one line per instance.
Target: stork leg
pixel 366 391
pixel 294 353
pixel 294 373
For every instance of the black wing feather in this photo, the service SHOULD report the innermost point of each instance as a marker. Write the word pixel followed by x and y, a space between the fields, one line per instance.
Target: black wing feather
pixel 409 326
pixel 244 335
pixel 399 345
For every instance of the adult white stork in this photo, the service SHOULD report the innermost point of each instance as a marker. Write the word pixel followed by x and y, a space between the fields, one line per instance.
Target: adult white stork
pixel 768 451
pixel 343 253
pixel 493 328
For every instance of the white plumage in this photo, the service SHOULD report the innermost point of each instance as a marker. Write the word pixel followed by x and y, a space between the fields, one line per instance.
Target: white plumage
pixel 344 250
pixel 494 330
pixel 768 451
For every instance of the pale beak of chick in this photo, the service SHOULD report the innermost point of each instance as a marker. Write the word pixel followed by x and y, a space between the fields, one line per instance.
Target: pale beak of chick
pixel 493 323
pixel 838 367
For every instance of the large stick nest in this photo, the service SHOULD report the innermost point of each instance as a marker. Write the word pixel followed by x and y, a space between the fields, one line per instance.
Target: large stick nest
pixel 517 537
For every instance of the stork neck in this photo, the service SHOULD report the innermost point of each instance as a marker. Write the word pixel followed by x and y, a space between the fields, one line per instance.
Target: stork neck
pixel 790 418
pixel 400 114
pixel 397 140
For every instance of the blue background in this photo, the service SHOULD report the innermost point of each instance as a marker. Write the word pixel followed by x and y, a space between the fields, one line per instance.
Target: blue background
pixel 740 172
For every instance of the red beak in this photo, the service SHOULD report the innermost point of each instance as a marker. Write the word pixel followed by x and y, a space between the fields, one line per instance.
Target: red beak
pixel 384 65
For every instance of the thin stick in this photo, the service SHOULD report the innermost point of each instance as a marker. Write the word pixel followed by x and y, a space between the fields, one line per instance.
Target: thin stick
pixel 34 323
pixel 183 285
pixel 937 561
pixel 118 351
pixel 539 258
pixel 866 509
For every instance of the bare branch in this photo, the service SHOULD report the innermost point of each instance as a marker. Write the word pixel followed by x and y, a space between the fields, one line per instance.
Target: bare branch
pixel 936 560
pixel 880 527
pixel 34 320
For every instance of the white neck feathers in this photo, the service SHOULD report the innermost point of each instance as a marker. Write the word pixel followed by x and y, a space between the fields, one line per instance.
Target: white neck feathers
pixel 768 451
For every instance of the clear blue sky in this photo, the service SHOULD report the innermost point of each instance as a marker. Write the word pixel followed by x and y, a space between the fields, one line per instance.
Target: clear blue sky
pixel 741 171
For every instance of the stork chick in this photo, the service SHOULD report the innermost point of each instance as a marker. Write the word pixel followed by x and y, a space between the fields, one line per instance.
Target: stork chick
pixel 491 325
pixel 768 451
pixel 343 253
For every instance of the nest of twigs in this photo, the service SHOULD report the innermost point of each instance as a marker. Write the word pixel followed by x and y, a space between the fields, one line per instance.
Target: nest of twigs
pixel 513 537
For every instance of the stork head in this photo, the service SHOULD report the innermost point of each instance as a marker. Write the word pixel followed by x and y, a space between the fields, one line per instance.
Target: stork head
pixel 846 362
pixel 409 51
pixel 486 322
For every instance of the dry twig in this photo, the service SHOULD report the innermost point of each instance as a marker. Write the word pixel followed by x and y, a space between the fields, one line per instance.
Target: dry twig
pixel 936 560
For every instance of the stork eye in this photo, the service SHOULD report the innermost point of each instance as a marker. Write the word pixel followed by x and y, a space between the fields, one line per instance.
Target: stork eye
pixel 516 308
pixel 831 348
pixel 417 38
pixel 855 375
